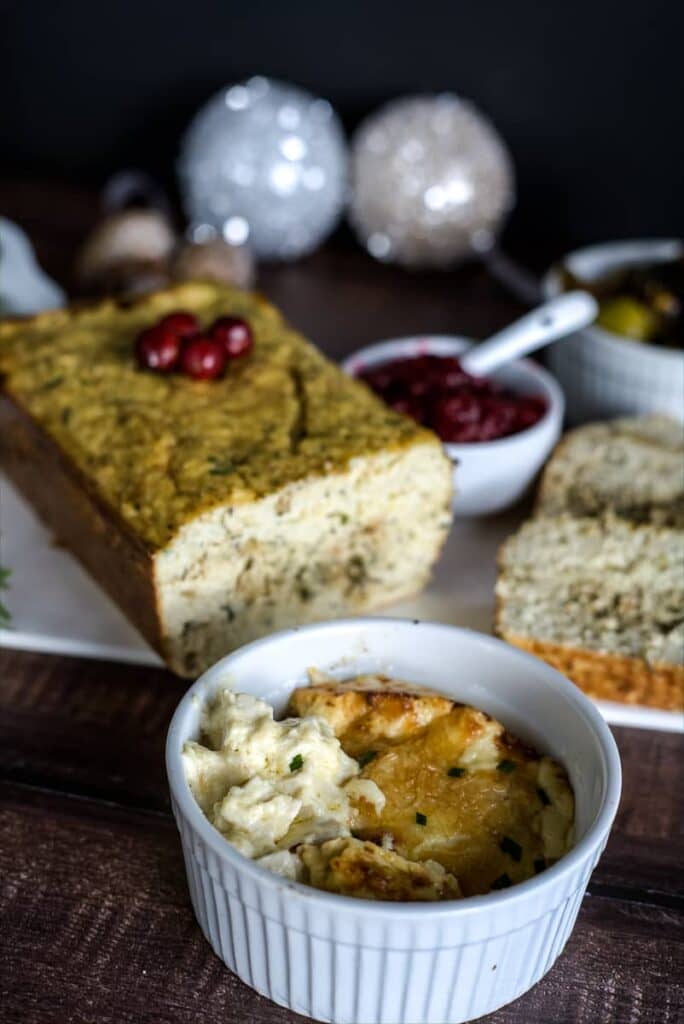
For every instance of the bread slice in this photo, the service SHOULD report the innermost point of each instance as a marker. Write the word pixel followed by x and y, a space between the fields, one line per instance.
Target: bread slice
pixel 214 512
pixel 633 467
pixel 601 599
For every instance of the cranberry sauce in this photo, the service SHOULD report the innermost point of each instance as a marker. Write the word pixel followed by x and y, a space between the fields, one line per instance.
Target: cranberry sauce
pixel 437 392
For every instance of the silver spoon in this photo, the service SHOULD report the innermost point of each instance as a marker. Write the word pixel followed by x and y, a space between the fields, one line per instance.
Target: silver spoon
pixel 556 319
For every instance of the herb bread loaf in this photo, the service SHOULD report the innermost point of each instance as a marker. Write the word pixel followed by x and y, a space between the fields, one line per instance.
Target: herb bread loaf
pixel 217 511
pixel 633 467
pixel 602 600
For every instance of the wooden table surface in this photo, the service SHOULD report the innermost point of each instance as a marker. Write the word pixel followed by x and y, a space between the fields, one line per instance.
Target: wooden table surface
pixel 95 920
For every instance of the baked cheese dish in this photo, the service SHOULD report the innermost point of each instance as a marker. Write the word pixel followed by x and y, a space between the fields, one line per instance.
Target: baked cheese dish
pixel 378 789
pixel 217 511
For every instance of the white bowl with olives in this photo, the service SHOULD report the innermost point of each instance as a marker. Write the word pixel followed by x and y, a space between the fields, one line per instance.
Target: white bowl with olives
pixel 616 367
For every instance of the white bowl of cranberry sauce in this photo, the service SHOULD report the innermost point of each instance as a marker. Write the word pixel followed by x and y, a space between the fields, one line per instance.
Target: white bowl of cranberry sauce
pixel 498 431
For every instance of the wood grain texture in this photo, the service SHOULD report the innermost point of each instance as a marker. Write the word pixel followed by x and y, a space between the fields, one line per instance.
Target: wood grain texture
pixel 101 930
pixel 101 926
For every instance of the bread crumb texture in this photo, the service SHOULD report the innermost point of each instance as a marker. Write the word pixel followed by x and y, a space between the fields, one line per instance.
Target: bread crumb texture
pixel 162 449
pixel 602 599
pixel 632 467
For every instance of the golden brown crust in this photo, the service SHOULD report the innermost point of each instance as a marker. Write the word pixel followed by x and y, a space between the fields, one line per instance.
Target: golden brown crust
pixel 105 546
pixel 369 710
pixel 611 676
pixel 363 869
pixel 447 800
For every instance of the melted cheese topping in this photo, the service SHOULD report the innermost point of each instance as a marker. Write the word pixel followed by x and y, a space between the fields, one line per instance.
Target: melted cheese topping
pixel 459 789
pixel 268 786
pixel 462 793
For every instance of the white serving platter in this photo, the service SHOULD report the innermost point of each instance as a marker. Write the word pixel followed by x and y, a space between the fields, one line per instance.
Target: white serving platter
pixel 56 607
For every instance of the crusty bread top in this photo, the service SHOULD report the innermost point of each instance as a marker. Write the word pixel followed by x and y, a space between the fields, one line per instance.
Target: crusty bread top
pixel 633 467
pixel 597 584
pixel 161 449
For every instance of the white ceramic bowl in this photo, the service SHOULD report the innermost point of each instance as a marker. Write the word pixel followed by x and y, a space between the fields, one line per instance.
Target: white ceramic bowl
pixel 488 475
pixel 604 374
pixel 336 958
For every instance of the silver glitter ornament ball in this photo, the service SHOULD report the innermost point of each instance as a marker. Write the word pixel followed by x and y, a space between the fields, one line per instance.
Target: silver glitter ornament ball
pixel 264 163
pixel 432 181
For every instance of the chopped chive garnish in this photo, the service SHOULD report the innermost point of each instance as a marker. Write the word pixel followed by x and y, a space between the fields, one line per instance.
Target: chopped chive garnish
pixel 367 757
pixel 509 846
pixel 221 467
pixel 421 819
pixel 543 796
pixel 506 766
pixel 50 384
pixel 502 882
pixel 539 864
pixel 296 763
pixel 456 773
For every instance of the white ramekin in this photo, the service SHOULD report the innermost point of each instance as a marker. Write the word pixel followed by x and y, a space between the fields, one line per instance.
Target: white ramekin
pixel 604 374
pixel 341 959
pixel 488 475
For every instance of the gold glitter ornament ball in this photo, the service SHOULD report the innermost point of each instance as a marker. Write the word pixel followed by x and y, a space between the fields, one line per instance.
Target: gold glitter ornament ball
pixel 432 182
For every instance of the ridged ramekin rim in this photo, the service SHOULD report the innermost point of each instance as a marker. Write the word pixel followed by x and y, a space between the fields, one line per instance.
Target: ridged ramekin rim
pixel 418 912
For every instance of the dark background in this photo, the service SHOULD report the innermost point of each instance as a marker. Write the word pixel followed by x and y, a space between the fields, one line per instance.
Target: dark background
pixel 589 94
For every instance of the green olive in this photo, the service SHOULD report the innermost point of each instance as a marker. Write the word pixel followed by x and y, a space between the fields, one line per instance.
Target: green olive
pixel 628 316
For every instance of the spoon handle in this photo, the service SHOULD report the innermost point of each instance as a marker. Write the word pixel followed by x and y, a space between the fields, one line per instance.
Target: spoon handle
pixel 561 316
